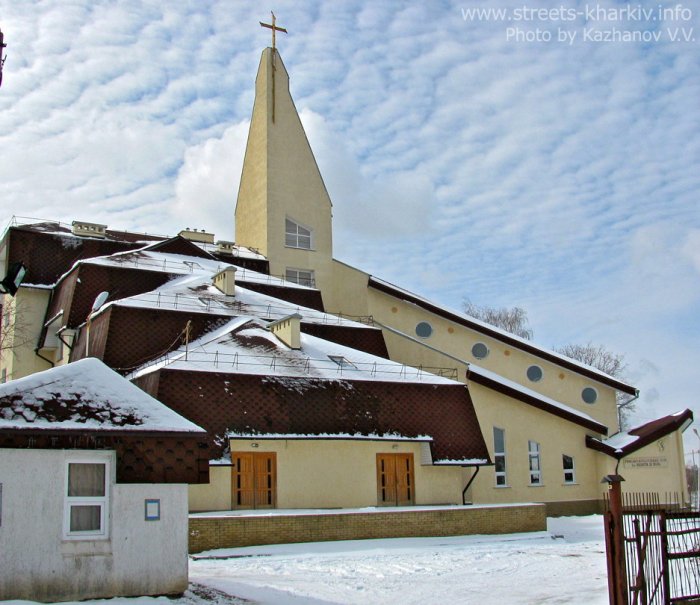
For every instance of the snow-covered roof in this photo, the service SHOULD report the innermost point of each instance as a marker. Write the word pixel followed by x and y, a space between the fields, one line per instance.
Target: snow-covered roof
pixel 195 293
pixel 501 334
pixel 350 436
pixel 624 443
pixel 84 395
pixel 180 264
pixel 246 346
pixel 522 393
pixel 236 251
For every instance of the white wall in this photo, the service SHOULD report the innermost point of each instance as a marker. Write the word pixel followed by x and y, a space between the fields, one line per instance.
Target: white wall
pixel 139 557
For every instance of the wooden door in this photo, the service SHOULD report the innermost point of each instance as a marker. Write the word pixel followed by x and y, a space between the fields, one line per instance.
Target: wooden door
pixel 254 480
pixel 395 480
pixel 265 480
pixel 404 479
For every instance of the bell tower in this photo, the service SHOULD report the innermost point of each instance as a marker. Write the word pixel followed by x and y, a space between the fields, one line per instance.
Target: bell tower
pixel 283 207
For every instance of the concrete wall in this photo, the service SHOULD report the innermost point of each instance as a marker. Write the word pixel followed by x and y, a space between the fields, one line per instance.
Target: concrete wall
pixel 138 557
pixel 207 533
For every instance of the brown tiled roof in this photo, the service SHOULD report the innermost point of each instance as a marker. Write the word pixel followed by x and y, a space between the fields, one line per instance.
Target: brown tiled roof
pixel 180 245
pixel 85 405
pixel 306 297
pixel 369 340
pixel 222 403
pixel 125 337
pixel 141 457
pixel 76 292
pixel 48 250
pixel 623 444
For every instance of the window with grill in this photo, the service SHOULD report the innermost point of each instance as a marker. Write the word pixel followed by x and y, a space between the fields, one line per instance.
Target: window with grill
pixel 535 463
pixel 499 456
pixel 86 504
pixel 296 236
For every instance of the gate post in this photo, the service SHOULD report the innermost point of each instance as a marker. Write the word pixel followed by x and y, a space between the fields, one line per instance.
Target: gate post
pixel 615 542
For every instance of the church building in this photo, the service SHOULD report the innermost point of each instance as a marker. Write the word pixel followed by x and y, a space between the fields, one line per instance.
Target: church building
pixel 320 385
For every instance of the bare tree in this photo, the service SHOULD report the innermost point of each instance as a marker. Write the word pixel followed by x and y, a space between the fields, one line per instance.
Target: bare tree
pixel 513 320
pixel 612 364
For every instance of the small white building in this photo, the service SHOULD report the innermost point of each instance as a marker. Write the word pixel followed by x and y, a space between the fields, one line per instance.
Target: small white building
pixel 93 487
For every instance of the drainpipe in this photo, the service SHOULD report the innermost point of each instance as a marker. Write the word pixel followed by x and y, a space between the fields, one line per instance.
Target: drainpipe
pixel 469 483
pixel 624 405
pixel 46 359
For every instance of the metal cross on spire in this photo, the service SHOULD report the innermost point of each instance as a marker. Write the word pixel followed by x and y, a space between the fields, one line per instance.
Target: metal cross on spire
pixel 2 55
pixel 274 28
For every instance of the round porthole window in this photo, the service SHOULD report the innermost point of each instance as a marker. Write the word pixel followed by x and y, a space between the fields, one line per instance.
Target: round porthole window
pixel 589 395
pixel 534 373
pixel 480 350
pixel 424 329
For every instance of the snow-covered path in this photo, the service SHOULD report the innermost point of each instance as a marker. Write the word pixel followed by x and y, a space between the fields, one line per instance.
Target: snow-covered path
pixel 564 565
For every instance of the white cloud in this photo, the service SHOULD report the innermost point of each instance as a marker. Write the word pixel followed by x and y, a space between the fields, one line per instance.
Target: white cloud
pixel 206 187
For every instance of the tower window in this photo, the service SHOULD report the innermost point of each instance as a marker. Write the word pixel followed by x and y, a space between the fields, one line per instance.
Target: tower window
pixel 296 236
pixel 302 277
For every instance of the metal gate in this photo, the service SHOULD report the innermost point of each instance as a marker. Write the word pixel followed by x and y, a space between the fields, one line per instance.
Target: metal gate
pixel 655 557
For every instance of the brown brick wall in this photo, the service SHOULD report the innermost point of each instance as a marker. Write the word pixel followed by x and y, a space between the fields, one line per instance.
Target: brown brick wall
pixel 574 508
pixel 207 533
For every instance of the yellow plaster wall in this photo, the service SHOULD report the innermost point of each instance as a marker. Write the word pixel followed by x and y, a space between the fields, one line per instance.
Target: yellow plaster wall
pixel 346 294
pixel 215 495
pixel 23 317
pixel 280 180
pixel 555 436
pixel 251 209
pixel 331 473
pixel 658 467
pixel 509 362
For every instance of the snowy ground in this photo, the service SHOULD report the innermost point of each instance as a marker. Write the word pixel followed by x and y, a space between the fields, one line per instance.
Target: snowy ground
pixel 564 565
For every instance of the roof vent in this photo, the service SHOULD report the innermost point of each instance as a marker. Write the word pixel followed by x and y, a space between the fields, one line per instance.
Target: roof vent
pixel 288 330
pixel 89 229
pixel 197 236
pixel 226 281
pixel 226 247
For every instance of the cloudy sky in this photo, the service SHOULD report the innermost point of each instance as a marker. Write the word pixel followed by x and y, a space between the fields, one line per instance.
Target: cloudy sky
pixel 531 157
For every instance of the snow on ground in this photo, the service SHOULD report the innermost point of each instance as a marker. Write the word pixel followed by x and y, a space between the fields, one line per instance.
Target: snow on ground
pixel 564 565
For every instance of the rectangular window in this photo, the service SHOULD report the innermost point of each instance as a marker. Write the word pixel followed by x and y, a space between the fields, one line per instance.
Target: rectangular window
pixel 499 456
pixel 86 505
pixel 296 236
pixel 535 463
pixel 302 277
pixel 569 469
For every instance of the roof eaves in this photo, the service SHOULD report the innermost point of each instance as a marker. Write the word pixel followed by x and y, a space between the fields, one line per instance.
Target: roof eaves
pixel 513 341
pixel 680 421
pixel 537 402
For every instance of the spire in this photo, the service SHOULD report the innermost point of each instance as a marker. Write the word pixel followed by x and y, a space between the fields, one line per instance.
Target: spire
pixel 281 187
